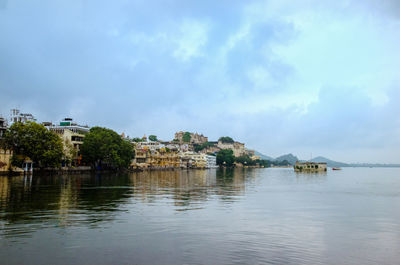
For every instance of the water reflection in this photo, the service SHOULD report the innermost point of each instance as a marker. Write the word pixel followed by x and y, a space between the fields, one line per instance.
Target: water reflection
pixel 88 199
pixel 202 217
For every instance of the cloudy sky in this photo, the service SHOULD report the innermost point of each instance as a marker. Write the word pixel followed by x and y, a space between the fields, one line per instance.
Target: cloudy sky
pixel 306 77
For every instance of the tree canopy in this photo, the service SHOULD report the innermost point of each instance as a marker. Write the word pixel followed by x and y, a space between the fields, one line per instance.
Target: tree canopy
pixel 225 155
pixel 153 138
pixel 137 139
pixel 226 139
pixel 105 147
pixel 33 141
pixel 186 137
pixel 199 147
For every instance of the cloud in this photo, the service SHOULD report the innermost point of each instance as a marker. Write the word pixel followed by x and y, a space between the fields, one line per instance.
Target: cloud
pixel 281 76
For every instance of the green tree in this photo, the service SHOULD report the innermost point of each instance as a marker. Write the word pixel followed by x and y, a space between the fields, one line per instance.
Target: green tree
pixel 104 147
pixel 226 139
pixel 33 141
pixel 245 160
pixel 225 157
pixel 199 147
pixel 153 138
pixel 186 137
pixel 137 140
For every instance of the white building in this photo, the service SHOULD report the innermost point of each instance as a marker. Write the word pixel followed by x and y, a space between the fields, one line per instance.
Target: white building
pixel 67 124
pixel 211 161
pixel 150 145
pixel 17 116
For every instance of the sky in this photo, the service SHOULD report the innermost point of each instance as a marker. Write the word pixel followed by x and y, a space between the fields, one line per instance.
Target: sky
pixel 305 77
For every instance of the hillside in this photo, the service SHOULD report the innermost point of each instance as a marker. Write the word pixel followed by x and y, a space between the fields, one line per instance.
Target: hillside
pixel 262 156
pixel 288 157
pixel 330 163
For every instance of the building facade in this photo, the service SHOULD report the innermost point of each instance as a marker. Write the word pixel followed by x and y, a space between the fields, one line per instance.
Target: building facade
pixel 310 167
pixel 72 135
pixel 17 116
pixel 211 161
pixel 195 138
pixel 3 126
pixel 237 148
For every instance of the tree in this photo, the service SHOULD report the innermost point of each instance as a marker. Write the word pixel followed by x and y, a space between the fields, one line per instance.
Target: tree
pixel 104 147
pixel 186 137
pixel 153 138
pixel 33 141
pixel 137 140
pixel 225 157
pixel 245 160
pixel 226 139
pixel 199 147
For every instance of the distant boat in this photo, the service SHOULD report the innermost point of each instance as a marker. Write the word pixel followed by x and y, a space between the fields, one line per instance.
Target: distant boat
pixel 336 168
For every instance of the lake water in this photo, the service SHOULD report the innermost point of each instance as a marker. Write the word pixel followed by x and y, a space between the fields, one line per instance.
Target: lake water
pixel 241 216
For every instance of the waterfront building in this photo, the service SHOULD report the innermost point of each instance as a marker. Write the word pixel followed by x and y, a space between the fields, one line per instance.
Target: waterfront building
pixel 165 159
pixel 156 159
pixel 17 116
pixel 72 135
pixel 310 167
pixel 150 145
pixel 211 161
pixel 193 160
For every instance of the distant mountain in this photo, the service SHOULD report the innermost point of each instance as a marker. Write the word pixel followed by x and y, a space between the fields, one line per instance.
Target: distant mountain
pixel 373 165
pixel 262 156
pixel 292 159
pixel 329 163
pixel 289 157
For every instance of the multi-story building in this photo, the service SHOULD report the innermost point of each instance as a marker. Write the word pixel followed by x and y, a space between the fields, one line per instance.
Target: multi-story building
pixel 72 135
pixel 193 160
pixel 3 126
pixel 150 145
pixel 211 161
pixel 146 158
pixel 17 116
pixel 195 138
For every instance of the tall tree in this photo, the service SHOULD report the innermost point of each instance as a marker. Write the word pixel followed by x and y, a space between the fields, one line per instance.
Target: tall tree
pixel 225 157
pixel 226 139
pixel 103 146
pixel 153 138
pixel 186 137
pixel 33 141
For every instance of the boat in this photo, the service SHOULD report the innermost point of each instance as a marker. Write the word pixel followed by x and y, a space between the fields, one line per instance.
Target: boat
pixel 336 168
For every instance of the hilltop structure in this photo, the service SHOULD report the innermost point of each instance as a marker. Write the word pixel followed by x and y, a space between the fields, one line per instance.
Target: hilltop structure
pixel 237 148
pixel 192 138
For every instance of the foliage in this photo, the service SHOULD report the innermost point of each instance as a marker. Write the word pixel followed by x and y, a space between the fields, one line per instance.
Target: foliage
pixel 153 138
pixel 225 155
pixel 105 147
pixel 202 146
pixel 281 163
pixel 226 139
pixel 69 152
pixel 245 160
pixel 186 137
pixel 137 140
pixel 33 141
